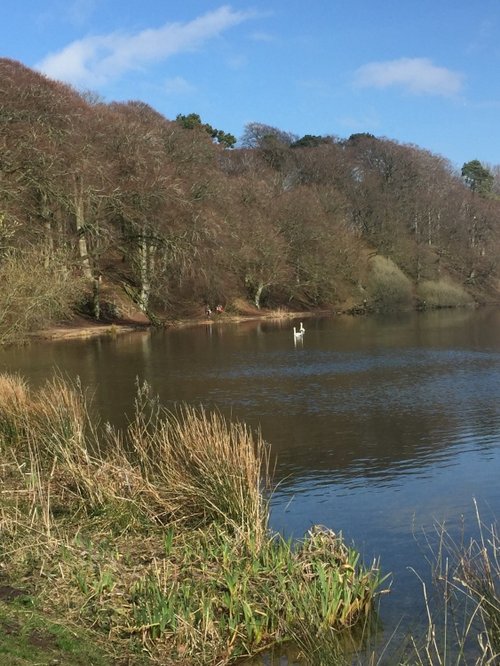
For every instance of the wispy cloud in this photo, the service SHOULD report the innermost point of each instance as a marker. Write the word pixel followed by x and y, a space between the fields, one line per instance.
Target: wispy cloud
pixel 260 36
pixel 177 86
pixel 484 38
pixel 94 60
pixel 237 62
pixel 360 123
pixel 79 11
pixel 316 87
pixel 416 75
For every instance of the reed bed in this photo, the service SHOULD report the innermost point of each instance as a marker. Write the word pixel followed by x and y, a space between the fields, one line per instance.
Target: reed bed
pixel 157 535
pixel 464 616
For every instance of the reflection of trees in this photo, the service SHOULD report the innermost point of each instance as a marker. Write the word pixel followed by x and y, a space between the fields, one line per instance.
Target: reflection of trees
pixel 372 447
pixel 364 398
pixel 381 423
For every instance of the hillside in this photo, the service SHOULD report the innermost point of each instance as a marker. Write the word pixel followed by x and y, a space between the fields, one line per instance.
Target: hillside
pixel 106 207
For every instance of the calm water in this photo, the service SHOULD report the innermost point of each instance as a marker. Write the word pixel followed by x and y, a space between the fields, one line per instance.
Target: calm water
pixel 381 426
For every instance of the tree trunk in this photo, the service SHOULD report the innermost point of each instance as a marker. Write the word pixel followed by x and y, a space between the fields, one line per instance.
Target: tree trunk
pixel 473 232
pixel 80 231
pixel 96 302
pixel 145 286
pixel 258 295
pixel 46 217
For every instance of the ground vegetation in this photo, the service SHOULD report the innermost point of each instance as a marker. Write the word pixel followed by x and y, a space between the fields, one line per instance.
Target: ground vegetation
pixel 153 541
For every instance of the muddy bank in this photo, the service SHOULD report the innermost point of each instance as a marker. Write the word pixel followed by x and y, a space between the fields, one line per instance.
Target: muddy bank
pixel 82 327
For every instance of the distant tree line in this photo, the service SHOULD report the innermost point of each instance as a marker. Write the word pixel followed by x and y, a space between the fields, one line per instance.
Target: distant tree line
pixel 175 213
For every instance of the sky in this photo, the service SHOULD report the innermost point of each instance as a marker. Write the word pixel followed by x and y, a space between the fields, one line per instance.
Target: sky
pixel 421 72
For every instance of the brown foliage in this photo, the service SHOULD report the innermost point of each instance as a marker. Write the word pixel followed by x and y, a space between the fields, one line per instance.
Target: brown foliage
pixel 36 291
pixel 282 223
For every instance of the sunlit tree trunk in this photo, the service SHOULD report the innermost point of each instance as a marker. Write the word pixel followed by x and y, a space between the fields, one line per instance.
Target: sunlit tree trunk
pixel 258 295
pixel 80 230
pixel 144 271
pixel 96 297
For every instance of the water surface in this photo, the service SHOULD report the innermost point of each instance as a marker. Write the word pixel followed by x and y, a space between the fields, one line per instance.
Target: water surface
pixel 380 426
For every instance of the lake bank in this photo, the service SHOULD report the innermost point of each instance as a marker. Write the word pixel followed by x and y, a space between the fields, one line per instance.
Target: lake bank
pixel 84 327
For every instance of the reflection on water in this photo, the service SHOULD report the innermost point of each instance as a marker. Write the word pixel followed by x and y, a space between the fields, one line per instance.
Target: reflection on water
pixel 380 426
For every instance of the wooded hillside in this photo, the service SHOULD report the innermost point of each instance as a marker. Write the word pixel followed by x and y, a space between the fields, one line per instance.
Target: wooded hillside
pixel 100 197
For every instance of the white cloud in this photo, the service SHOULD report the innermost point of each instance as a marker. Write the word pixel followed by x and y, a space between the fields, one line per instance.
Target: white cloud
pixel 94 60
pixel 417 75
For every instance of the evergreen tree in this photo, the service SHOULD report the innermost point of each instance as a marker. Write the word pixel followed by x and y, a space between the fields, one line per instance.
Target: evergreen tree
pixel 477 177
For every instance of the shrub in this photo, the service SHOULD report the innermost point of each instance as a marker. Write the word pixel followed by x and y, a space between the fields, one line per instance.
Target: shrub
pixel 442 294
pixel 388 287
pixel 36 291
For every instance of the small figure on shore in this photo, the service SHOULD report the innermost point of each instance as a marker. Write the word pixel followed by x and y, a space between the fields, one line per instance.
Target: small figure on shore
pixel 219 309
pixel 208 311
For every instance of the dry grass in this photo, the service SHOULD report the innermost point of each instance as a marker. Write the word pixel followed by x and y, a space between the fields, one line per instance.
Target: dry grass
pixel 208 470
pixel 37 288
pixel 191 467
pixel 388 286
pixel 465 627
pixel 442 294
pixel 160 531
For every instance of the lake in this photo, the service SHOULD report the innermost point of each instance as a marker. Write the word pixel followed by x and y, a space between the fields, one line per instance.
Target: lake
pixel 381 426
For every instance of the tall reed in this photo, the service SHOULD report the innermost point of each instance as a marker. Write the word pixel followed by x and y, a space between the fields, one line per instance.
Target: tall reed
pixel 465 627
pixel 159 532
pixel 208 469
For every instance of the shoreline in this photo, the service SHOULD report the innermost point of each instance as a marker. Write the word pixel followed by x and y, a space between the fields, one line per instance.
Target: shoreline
pixel 82 328
pixel 89 330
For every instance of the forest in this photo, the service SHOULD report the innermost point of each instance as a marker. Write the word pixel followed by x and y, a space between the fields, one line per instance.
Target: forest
pixel 104 203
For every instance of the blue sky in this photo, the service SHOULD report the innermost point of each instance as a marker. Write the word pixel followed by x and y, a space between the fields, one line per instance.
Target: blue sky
pixel 423 72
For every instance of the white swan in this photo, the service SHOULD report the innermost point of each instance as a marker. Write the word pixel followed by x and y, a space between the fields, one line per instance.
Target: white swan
pixel 298 335
pixel 302 329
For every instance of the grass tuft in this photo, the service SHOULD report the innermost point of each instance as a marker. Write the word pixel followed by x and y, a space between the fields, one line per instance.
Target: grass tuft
pixel 158 534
